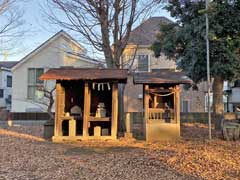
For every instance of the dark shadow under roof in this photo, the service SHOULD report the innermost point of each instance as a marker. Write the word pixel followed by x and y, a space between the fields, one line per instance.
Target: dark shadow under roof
pixel 161 77
pixel 8 64
pixel 71 73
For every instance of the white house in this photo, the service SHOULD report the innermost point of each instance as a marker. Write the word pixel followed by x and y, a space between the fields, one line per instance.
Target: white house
pixel 58 51
pixel 6 84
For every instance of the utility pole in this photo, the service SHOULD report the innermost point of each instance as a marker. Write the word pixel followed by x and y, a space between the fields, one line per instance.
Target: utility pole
pixel 208 72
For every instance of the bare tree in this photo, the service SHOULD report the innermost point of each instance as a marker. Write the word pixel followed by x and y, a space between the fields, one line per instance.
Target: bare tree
pixel 105 24
pixel 11 26
pixel 47 100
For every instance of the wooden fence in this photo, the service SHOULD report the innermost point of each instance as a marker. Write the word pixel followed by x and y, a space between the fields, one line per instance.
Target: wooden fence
pixel 195 117
pixel 28 116
pixel 136 118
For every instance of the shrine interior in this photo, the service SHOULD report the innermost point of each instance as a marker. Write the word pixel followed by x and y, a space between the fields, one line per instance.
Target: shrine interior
pixel 74 104
pixel 100 106
pixel 161 103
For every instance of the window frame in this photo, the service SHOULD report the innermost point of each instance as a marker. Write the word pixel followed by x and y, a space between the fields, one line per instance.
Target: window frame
pixel 188 105
pixel 148 62
pixel 9 76
pixel 1 94
pixel 36 82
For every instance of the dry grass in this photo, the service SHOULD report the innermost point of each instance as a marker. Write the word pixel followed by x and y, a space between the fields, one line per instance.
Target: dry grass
pixel 25 155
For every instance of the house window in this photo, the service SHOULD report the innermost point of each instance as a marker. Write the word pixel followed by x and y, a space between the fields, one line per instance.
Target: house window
pixel 185 106
pixel 1 93
pixel 9 81
pixel 33 81
pixel 143 63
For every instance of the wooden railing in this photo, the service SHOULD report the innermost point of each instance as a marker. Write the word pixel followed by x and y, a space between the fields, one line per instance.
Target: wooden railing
pixel 159 114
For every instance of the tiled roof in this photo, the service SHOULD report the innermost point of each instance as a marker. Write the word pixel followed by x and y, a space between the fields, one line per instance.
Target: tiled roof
pixel 145 34
pixel 161 77
pixel 71 73
pixel 8 64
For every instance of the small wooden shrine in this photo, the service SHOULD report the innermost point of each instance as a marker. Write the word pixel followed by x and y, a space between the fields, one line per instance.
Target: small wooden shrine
pixel 86 102
pixel 161 103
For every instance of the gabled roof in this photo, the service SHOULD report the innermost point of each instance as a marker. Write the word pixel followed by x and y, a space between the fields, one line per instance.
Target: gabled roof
pixel 7 64
pixel 46 43
pixel 161 77
pixel 145 34
pixel 71 73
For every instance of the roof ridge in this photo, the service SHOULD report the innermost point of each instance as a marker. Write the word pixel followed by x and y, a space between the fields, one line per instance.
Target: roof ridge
pixel 35 50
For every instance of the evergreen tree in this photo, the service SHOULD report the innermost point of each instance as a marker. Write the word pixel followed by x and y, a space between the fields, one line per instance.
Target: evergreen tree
pixel 185 41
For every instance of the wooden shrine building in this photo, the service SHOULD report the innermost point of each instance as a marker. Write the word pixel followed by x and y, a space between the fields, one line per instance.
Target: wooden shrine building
pixel 86 102
pixel 161 103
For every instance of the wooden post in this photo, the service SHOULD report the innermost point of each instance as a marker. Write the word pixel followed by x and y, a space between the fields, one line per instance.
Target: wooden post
pixel 177 103
pixel 72 127
pixel 60 109
pixel 114 110
pixel 86 112
pixel 177 110
pixel 146 107
pixel 128 123
pixel 128 133
pixel 155 101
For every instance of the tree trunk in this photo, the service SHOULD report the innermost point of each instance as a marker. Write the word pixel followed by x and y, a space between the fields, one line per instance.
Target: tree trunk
pixel 121 122
pixel 218 107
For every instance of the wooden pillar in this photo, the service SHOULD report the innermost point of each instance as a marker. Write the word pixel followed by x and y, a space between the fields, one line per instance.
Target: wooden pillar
pixel 60 109
pixel 128 122
pixel 177 103
pixel 128 133
pixel 146 108
pixel 114 110
pixel 155 102
pixel 72 127
pixel 86 113
pixel 177 109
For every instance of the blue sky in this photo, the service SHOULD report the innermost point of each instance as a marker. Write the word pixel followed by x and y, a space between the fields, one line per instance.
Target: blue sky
pixel 38 30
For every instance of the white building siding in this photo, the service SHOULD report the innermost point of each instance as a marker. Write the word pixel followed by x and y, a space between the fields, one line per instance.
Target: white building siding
pixel 52 56
pixel 7 91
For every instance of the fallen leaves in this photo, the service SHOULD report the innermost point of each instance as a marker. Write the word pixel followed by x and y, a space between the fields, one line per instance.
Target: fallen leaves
pixel 23 156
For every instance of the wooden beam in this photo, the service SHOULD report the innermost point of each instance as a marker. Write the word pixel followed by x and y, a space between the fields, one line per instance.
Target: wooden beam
pixel 86 113
pixel 60 109
pixel 114 110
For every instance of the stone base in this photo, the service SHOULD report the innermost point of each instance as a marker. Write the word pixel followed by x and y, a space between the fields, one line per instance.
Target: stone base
pixel 48 130
pixel 58 139
pixel 128 135
pixel 97 131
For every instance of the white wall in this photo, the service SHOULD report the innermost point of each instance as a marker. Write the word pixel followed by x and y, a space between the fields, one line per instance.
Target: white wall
pixel 3 85
pixel 52 56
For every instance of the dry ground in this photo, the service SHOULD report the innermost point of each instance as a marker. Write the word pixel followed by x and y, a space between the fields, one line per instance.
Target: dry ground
pixel 25 155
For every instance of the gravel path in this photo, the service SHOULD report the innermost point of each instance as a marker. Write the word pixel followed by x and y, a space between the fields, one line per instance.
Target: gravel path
pixel 25 155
